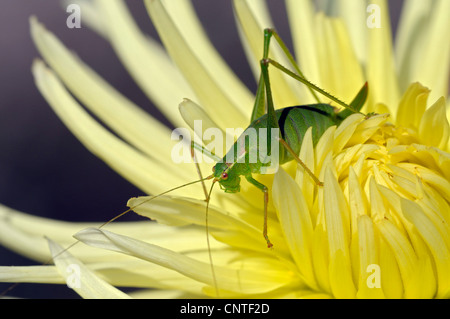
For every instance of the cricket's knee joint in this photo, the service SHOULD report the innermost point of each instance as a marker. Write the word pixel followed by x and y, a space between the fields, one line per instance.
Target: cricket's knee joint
pixel 268 31
pixel 264 62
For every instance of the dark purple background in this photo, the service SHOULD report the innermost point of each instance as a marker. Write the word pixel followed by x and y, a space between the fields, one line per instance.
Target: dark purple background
pixel 44 170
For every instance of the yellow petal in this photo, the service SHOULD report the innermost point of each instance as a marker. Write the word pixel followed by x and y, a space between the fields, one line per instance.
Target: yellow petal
pixel 412 106
pixel 301 19
pixel 377 206
pixel 243 280
pixel 345 131
pixel 336 216
pixel 302 178
pixel 324 147
pixel 432 69
pixel 183 211
pixel 401 248
pixel 367 128
pixel 391 280
pixel 192 112
pixel 369 279
pixel 162 294
pixel 149 175
pixel 212 95
pixel 80 278
pixel 434 127
pixel 357 199
pixel 354 15
pixel 380 64
pixel 448 119
pixel 28 245
pixel 337 58
pixel 423 283
pixel 145 59
pixel 434 240
pixel 410 39
pixel 294 216
pixel 126 118
pixel 253 18
pixel 91 15
pixel 32 274
pixel 321 258
pixel 184 17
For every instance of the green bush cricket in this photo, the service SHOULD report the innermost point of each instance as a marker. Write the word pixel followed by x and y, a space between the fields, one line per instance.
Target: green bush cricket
pixel 292 123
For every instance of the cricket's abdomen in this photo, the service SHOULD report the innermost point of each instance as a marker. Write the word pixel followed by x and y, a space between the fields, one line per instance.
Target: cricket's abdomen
pixel 294 121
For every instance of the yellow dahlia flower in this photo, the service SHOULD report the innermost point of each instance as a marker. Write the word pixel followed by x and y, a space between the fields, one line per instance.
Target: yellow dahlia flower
pixel 378 228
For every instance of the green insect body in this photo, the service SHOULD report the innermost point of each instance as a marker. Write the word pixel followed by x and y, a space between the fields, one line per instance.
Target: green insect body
pixel 292 122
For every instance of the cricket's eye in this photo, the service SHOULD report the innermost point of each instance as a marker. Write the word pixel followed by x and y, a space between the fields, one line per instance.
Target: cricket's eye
pixel 214 168
pixel 224 176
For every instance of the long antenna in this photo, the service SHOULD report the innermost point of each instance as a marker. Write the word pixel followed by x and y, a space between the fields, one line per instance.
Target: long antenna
pixel 213 273
pixel 3 293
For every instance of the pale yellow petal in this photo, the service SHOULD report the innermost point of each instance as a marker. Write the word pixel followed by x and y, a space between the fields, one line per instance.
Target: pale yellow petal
pixel 122 115
pixel 252 19
pixel 127 161
pixel 25 234
pixel 184 211
pixel 191 111
pixel 411 35
pixel 301 20
pixel 210 93
pixel 145 59
pixel 354 15
pixel 31 274
pixel 337 58
pixel 183 15
pixel 80 278
pixel 381 73
pixel 91 16
pixel 204 127
pixel 241 280
pixel 162 294
pixel 433 68
pixel 21 241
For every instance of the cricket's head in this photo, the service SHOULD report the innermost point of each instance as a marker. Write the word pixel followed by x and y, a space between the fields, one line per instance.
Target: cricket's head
pixel 228 179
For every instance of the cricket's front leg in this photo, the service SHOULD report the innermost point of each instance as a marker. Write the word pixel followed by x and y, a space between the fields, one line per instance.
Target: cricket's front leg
pixel 265 190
